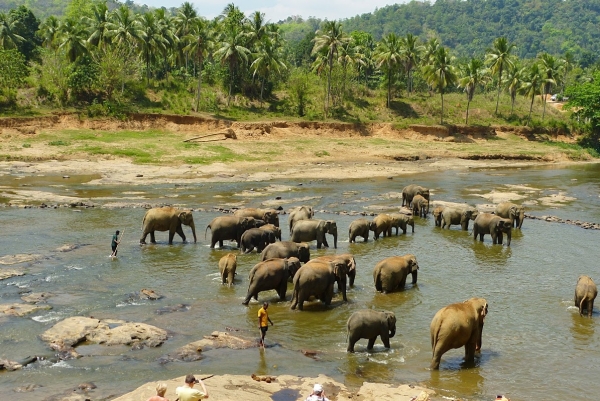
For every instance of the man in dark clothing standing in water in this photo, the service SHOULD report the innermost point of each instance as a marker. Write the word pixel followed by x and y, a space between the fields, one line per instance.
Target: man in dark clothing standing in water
pixel 114 244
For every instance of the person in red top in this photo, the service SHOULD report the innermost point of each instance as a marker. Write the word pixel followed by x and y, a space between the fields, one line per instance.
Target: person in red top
pixel 263 322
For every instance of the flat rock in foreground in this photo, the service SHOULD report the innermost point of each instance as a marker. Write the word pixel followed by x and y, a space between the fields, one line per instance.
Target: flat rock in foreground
pixel 284 387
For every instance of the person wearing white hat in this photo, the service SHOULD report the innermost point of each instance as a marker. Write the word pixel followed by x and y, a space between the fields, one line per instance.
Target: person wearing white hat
pixel 318 394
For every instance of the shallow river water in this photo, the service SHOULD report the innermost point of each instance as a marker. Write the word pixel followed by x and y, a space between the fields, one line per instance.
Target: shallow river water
pixel 535 344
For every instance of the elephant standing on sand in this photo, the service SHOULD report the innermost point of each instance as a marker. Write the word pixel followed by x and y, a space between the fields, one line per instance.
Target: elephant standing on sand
pixel 227 267
pixel 272 274
pixel 585 294
pixel 255 238
pixel 269 216
pixel 300 213
pixel 371 324
pixel 166 219
pixel 437 215
pixel 451 215
pixel 382 225
pixel 317 278
pixel 458 325
pixel 360 228
pixel 348 260
pixel 286 249
pixel 420 206
pixel 402 221
pixel 390 273
pixel 310 230
pixel 225 228
pixel 409 192
pixel 508 210
pixel 487 223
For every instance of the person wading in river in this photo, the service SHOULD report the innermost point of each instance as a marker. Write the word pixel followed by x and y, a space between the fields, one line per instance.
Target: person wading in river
pixel 263 322
pixel 115 244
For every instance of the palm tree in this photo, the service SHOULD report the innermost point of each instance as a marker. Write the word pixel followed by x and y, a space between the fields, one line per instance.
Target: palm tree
pixel 329 40
pixel 201 43
pixel 49 31
pixel 472 75
pixel 98 24
pixel 257 29
pixel 267 60
pixel 550 73
pixel 568 61
pixel 123 28
pixel 185 18
pixel 411 55
pixel 72 39
pixel 388 56
pixel 232 51
pixel 349 55
pixel 166 29
pixel 513 81
pixel 498 58
pixel 151 40
pixel 431 48
pixel 440 73
pixel 532 81
pixel 9 39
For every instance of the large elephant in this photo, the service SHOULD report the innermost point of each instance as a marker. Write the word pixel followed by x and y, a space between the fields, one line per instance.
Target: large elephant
pixel 437 215
pixel 348 260
pixel 368 323
pixel 310 230
pixel 420 206
pixel 360 228
pixel 255 238
pixel 452 215
pixel 402 221
pixel 390 273
pixel 508 210
pixel 300 213
pixel 166 219
pixel 409 192
pixel 225 228
pixel 382 224
pixel 286 249
pixel 269 216
pixel 487 223
pixel 317 278
pixel 585 294
pixel 272 274
pixel 458 325
pixel 227 267
pixel 273 229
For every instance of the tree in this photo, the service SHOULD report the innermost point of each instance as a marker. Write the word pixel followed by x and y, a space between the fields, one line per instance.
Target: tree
pixel 98 24
pixel 550 73
pixel 513 81
pixel 267 60
pixel 151 39
pixel 186 17
pixel 13 71
pixel 440 73
pixel 201 43
pixel 9 38
pixel 124 28
pixel 232 52
pixel 72 39
pixel 49 31
pixel 568 61
pixel 388 56
pixel 411 56
pixel 472 75
pixel 26 27
pixel 530 88
pixel 498 58
pixel 584 100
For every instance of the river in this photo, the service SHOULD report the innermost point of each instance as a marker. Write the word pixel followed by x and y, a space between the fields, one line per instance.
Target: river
pixel 535 344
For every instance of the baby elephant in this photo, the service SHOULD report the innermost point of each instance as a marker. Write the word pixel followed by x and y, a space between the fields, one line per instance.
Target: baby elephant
pixel 371 324
pixel 360 228
pixel 390 273
pixel 585 293
pixel 227 266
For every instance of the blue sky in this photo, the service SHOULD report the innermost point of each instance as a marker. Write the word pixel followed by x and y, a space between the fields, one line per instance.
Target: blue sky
pixel 276 10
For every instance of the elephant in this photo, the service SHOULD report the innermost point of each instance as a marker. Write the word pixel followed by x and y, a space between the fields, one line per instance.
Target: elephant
pixel 508 210
pixel 348 260
pixel 402 221
pixel 368 323
pixel 316 278
pixel 166 218
pixel 286 249
pixel 420 206
pixel 360 228
pixel 272 274
pixel 228 228
pixel 382 224
pixel 227 266
pixel 255 238
pixel 390 273
pixel 409 192
pixel 310 230
pixel 457 325
pixel 451 215
pixel 269 216
pixel 487 223
pixel 300 213
pixel 585 294
pixel 273 229
pixel 437 215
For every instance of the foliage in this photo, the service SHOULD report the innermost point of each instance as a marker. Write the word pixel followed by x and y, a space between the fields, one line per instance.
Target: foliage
pixel 584 98
pixel 13 69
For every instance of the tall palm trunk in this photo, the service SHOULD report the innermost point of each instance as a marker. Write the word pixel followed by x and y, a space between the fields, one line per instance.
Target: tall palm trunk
pixel 329 83
pixel 499 83
pixel 389 94
pixel 467 119
pixel 442 116
pixel 199 85
pixel 530 109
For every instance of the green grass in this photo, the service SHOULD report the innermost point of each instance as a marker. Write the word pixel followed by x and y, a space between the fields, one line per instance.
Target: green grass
pixel 59 143
pixel 322 153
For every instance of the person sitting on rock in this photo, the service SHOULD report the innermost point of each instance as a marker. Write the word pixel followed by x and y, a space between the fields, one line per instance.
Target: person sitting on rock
pixel 187 392
pixel 161 389
pixel 318 394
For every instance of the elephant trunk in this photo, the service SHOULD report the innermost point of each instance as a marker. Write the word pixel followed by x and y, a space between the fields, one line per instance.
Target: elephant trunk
pixel 193 227
pixel 414 276
pixel 508 235
pixel 392 332
pixel 520 219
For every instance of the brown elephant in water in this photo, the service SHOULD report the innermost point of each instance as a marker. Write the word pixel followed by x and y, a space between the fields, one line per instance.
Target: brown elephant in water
pixel 317 278
pixel 255 238
pixel 310 230
pixel 300 213
pixel 487 223
pixel 585 294
pixel 348 260
pixel 508 210
pixel 273 229
pixel 231 228
pixel 166 219
pixel 382 224
pixel 410 191
pixel 269 216
pixel 458 325
pixel 227 267
pixel 286 249
pixel 272 274
pixel 452 215
pixel 390 274
pixel 402 221
pixel 371 324
pixel 437 215
pixel 360 228
pixel 420 206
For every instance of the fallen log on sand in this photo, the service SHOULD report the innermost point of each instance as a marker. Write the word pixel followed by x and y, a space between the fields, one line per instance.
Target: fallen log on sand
pixel 226 135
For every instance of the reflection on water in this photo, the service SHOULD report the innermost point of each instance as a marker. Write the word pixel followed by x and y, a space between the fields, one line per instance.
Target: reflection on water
pixel 532 335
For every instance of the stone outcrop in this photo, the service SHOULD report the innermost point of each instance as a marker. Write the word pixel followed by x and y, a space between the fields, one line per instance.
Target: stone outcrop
pixel 193 351
pixel 21 309
pixel 8 273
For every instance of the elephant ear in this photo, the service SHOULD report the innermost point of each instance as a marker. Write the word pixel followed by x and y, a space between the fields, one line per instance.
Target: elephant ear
pixel 182 215
pixel 391 319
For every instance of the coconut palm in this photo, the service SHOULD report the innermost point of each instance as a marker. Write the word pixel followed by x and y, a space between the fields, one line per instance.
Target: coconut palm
pixel 73 39
pixel 97 24
pixel 185 18
pixel 201 43
pixel 257 29
pixel 411 55
pixel 472 75
pixel 568 61
pixel 9 39
pixel 232 51
pixel 268 59
pixel 388 57
pixel 166 28
pixel 513 80
pixel 151 40
pixel 531 85
pixel 550 69
pixel 349 55
pixel 431 47
pixel 328 40
pixel 123 28
pixel 49 31
pixel 440 73
pixel 498 58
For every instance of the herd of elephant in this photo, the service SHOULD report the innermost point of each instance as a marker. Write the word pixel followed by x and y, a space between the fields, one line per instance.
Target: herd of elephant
pixel 454 326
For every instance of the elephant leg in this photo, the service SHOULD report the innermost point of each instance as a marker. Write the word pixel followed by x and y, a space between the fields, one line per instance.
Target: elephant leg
pixel 500 237
pixel 470 352
pixel 220 244
pixel 325 244
pixel 351 342
pixel 282 290
pixel 414 277
pixel 152 238
pixel 437 356
pixel 171 235
pixel 180 232
pixel 248 297
pixel 371 342
pixel 385 338
pixel 402 284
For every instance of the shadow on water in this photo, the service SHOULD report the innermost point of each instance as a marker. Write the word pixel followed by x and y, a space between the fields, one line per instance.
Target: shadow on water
pixel 458 383
pixel 582 329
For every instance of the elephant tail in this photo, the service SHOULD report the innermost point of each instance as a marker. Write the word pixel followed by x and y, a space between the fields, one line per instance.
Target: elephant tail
pixel 435 337
pixel 143 222
pixel 581 303
pixel 207 227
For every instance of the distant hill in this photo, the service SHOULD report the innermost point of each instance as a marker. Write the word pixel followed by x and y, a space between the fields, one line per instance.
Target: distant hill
pixel 42 9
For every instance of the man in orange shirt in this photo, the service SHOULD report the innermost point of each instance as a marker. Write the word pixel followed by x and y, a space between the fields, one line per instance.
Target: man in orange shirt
pixel 263 322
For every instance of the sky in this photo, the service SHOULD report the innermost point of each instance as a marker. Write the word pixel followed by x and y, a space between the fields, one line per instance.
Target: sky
pixel 276 10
